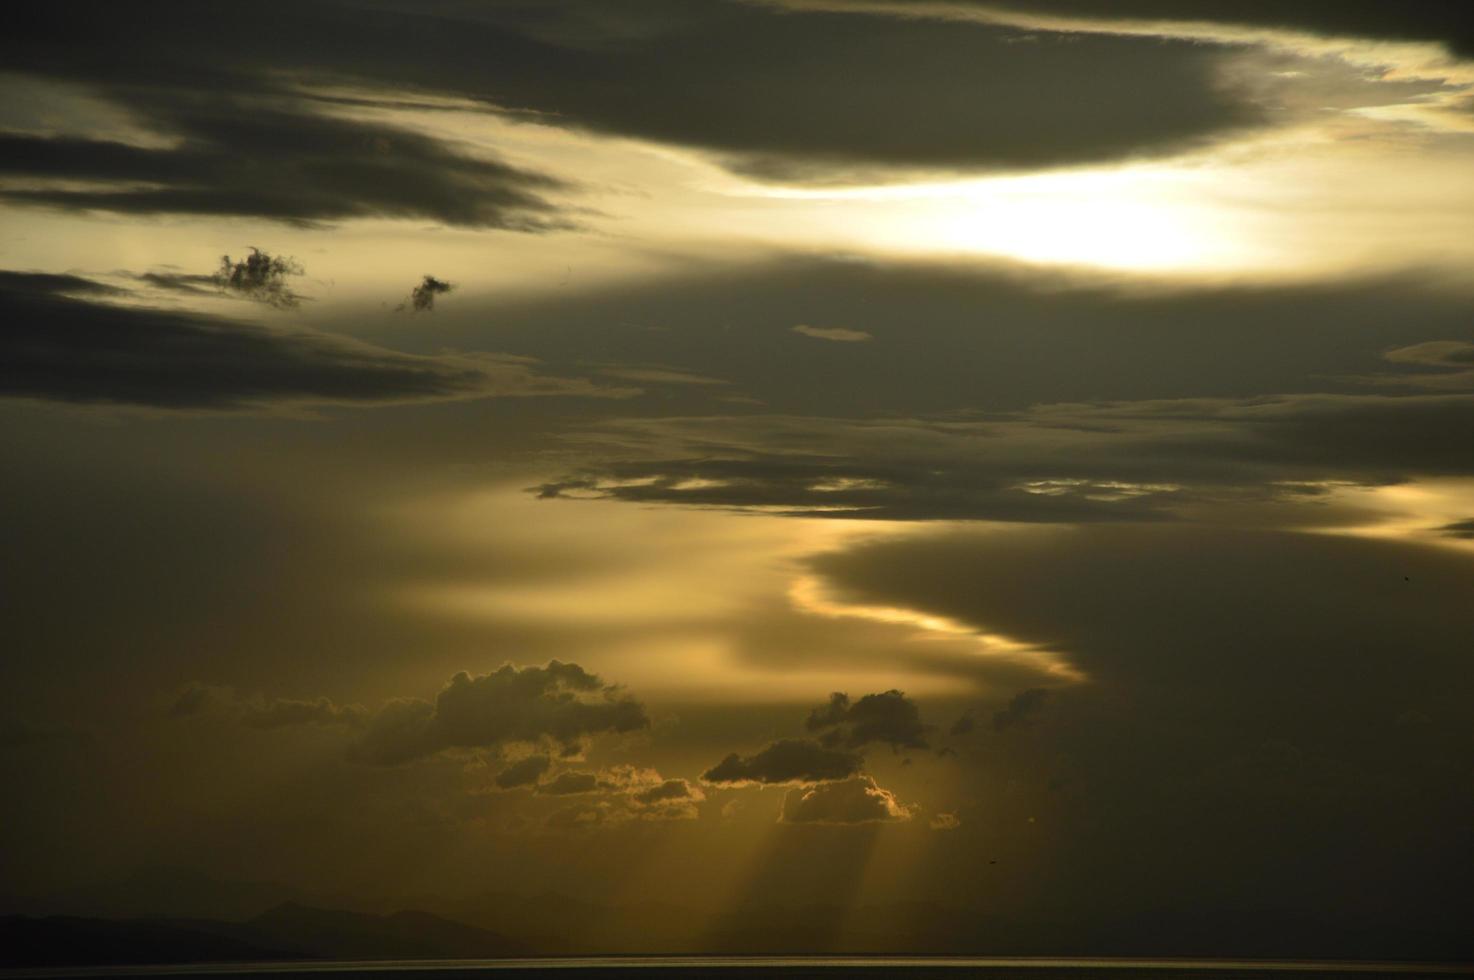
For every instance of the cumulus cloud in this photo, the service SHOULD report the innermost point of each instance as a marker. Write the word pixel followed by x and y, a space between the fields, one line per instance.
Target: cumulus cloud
pixel 841 334
pixel 788 760
pixel 570 783
pixel 523 772
pixel 965 724
pixel 560 705
pixel 1022 708
pixel 888 717
pixel 850 801
pixel 627 793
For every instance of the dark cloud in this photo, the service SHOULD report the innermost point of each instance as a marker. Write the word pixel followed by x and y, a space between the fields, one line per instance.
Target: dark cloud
pixel 1436 364
pixel 283 712
pixel 1288 696
pixel 268 154
pixel 570 783
pixel 788 760
pixel 254 712
pixel 422 297
pixel 888 717
pixel 965 724
pixel 627 793
pixel 1022 708
pixel 774 94
pixel 1458 529
pixel 60 342
pixel 1418 20
pixel 669 791
pixel 850 801
pixel 524 772
pixel 560 704
pixel 1074 463
pixel 260 276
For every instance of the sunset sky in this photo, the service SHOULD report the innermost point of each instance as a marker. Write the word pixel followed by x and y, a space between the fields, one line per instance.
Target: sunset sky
pixel 1011 461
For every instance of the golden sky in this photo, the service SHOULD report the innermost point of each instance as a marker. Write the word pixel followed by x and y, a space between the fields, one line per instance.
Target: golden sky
pixel 904 464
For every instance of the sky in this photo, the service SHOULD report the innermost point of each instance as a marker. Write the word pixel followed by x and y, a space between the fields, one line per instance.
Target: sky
pixel 903 464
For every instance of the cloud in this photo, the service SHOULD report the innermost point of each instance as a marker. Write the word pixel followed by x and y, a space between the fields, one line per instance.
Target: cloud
pixel 66 340
pixel 965 724
pixel 561 705
pixel 247 149
pixel 1426 20
pixel 787 760
pixel 422 297
pixel 523 772
pixel 629 793
pixel 282 712
pixel 841 334
pixel 944 821
pixel 888 717
pixel 1439 364
pixel 763 98
pixel 260 276
pixel 850 801
pixel 1102 462
pixel 1459 529
pixel 262 713
pixel 570 783
pixel 1022 708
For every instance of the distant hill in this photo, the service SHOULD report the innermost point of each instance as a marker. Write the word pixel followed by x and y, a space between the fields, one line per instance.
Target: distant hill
pixel 334 934
pixel 63 940
pixel 287 932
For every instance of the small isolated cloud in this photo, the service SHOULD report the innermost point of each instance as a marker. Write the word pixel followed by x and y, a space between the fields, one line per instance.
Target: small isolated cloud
pixel 841 334
pixel 422 297
pixel 1021 710
pixel 561 705
pixel 852 801
pixel 965 724
pixel 523 772
pixel 945 821
pixel 260 276
pixel 788 760
pixel 888 717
